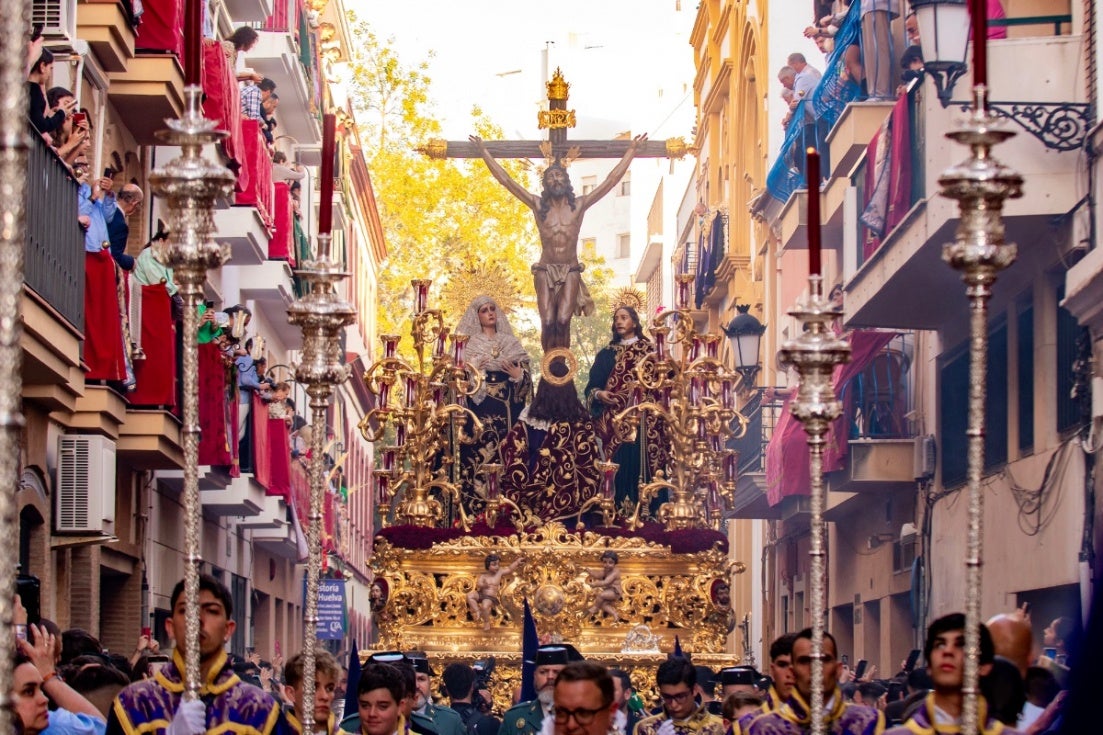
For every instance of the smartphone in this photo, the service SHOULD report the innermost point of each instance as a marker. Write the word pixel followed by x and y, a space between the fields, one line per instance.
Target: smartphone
pixel 78 119
pixel 36 31
pixel 29 590
pixel 844 660
pixel 1047 652
pixel 913 659
pixel 147 632
pixel 109 173
pixel 861 670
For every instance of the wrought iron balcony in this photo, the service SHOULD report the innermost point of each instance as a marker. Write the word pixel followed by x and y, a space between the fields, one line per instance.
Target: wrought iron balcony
pixel 54 243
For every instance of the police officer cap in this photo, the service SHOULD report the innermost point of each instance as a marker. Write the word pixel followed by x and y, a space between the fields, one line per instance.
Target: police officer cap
pixel 559 654
pixel 420 660
pixel 736 675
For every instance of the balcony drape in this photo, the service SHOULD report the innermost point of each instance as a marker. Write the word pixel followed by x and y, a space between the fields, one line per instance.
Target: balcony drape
pixel 217 411
pixel 223 105
pixel 888 176
pixel 787 471
pixel 280 246
pixel 162 27
pixel 156 375
pixel 271 450
pixel 258 191
pixel 103 326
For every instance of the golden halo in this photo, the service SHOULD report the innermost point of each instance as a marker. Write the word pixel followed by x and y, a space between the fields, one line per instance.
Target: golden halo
pixel 484 279
pixel 568 357
pixel 628 296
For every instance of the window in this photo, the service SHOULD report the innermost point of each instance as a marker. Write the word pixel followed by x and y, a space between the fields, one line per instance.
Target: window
pixel 954 409
pixel 624 245
pixel 1025 352
pixel 588 184
pixel 625 187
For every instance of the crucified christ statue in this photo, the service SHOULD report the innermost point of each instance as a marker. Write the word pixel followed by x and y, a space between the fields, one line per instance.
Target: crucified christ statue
pixel 557 276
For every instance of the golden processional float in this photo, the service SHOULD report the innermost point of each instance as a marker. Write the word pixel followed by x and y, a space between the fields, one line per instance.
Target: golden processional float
pixel 674 563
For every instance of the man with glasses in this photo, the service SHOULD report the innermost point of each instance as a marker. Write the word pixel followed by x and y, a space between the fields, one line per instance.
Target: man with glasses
pixel 681 714
pixel 583 700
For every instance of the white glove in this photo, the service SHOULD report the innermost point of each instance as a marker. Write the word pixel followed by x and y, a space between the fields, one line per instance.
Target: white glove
pixel 190 719
pixel 667 728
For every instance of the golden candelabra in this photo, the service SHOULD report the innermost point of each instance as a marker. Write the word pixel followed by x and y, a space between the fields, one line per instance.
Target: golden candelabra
pixel 13 174
pixel 814 354
pixel 692 396
pixel 428 420
pixel 605 499
pixel 322 315
pixel 980 184
pixel 190 183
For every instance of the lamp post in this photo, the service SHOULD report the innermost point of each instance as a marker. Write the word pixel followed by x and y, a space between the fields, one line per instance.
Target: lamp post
pixel 745 333
pixel 944 37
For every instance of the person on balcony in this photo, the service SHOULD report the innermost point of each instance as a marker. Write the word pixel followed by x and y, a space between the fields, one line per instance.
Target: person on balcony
pixel 95 206
pixel 126 203
pixel 235 47
pixel 878 48
pixel 42 117
pixel 73 138
pixel 253 97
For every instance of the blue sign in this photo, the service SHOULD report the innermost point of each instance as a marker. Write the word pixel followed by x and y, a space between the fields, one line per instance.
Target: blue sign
pixel 331 609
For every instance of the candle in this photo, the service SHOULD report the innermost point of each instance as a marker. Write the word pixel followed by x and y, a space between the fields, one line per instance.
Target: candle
pixel 813 170
pixel 492 490
pixel 608 479
pixel 442 338
pixel 411 390
pixel 660 341
pixel 979 10
pixel 390 345
pixel 385 391
pixel 382 491
pixel 712 346
pixel 730 458
pixel 400 434
pixel 193 42
pixel 388 458
pixel 329 153
pixel 726 395
pixel 459 344
pixel 438 392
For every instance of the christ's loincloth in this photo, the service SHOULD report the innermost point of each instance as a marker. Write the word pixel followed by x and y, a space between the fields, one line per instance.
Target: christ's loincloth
pixel 554 277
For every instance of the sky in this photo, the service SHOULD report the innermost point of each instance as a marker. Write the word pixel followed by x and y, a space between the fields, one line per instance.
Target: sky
pixel 629 62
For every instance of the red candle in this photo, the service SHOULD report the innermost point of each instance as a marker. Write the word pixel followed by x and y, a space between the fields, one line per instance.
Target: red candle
pixel 979 10
pixel 329 152
pixel 193 41
pixel 813 169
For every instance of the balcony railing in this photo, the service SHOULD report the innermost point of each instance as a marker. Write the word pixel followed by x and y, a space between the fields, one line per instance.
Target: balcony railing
pixel 55 246
pixel 762 416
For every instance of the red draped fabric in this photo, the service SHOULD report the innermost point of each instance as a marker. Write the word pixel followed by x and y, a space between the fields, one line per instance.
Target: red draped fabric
pixel 223 104
pixel 300 499
pixel 888 175
pixel 787 471
pixel 279 246
pixel 217 441
pixel 103 326
pixel 271 451
pixel 155 375
pixel 279 20
pixel 258 192
pixel 162 27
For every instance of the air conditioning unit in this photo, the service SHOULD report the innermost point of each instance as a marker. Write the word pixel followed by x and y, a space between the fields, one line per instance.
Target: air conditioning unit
pixel 924 458
pixel 84 496
pixel 58 19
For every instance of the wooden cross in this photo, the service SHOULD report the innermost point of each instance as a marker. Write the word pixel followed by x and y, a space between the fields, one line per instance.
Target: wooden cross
pixel 556 120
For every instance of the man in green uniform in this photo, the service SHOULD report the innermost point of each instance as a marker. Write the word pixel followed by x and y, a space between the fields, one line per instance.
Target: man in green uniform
pixel 442 720
pixel 526 718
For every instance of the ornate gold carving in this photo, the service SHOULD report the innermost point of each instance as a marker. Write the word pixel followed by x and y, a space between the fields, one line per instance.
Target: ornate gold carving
pixel 558 87
pixel 676 147
pixel 551 356
pixel 669 592
pixel 556 119
pixel 436 148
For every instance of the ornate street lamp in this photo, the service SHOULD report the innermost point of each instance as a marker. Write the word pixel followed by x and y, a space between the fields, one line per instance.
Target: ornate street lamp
pixel 745 333
pixel 944 38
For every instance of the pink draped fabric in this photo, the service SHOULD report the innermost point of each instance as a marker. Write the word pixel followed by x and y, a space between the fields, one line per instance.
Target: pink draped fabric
pixel 155 375
pixel 888 176
pixel 223 104
pixel 103 326
pixel 787 471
